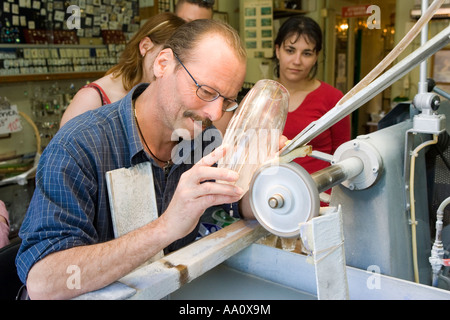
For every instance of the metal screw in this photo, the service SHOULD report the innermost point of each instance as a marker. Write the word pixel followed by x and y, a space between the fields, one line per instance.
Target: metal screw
pixel 276 201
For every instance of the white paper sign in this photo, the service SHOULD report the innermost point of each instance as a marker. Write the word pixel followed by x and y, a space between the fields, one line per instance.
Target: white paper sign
pixel 10 120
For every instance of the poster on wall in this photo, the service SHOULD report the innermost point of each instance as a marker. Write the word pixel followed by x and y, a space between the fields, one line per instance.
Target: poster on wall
pixel 258 28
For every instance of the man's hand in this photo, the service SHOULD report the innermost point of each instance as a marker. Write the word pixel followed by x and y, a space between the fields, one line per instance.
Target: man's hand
pixel 197 191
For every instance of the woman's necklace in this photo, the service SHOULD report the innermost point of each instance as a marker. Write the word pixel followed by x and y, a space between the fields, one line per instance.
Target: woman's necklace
pixel 168 163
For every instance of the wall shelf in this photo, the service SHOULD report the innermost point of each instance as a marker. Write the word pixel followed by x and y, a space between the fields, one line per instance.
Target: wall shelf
pixel 52 76
pixel 56 62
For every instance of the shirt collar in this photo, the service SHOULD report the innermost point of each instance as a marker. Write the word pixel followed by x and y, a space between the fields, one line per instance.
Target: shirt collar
pixel 129 123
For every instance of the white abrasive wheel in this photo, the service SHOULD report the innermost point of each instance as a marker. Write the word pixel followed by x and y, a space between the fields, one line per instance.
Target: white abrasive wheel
pixel 282 196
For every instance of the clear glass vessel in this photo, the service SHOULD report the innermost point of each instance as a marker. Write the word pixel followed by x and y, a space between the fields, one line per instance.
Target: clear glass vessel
pixel 253 134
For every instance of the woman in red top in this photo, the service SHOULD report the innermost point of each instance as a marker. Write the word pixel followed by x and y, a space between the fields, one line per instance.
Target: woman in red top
pixel 297 48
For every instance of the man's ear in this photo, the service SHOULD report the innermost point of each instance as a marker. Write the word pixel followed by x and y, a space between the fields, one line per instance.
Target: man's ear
pixel 145 45
pixel 162 62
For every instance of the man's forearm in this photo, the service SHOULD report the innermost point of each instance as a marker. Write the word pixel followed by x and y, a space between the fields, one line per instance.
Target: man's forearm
pixel 70 273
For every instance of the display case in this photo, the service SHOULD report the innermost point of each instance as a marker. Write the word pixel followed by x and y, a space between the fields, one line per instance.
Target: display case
pixel 20 63
pixel 52 40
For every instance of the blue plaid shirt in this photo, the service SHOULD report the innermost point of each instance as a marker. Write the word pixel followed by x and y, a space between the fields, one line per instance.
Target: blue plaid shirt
pixel 70 206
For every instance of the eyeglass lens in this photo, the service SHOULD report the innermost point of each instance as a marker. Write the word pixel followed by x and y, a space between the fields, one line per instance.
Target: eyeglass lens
pixel 209 94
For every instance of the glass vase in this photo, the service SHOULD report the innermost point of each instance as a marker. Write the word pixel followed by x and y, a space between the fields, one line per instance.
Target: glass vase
pixel 253 134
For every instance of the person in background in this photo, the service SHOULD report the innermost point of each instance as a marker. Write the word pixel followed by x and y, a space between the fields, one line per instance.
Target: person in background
pixel 198 75
pixel 4 225
pixel 190 10
pixel 135 66
pixel 297 47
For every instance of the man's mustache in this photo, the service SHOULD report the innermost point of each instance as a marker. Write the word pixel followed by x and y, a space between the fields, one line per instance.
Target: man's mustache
pixel 205 121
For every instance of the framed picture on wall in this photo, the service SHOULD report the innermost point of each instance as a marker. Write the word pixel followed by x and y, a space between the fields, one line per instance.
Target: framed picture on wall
pixel 441 66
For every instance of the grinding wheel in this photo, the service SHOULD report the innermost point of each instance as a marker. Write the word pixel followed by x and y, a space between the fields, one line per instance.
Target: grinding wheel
pixel 282 196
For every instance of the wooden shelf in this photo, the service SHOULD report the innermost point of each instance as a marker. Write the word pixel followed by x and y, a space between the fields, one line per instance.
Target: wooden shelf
pixel 52 76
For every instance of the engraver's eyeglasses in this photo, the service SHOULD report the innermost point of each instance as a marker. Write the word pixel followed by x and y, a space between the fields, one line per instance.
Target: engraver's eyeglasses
pixel 208 94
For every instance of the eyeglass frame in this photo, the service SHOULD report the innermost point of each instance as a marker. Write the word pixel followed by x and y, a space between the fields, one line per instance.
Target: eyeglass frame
pixel 234 107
